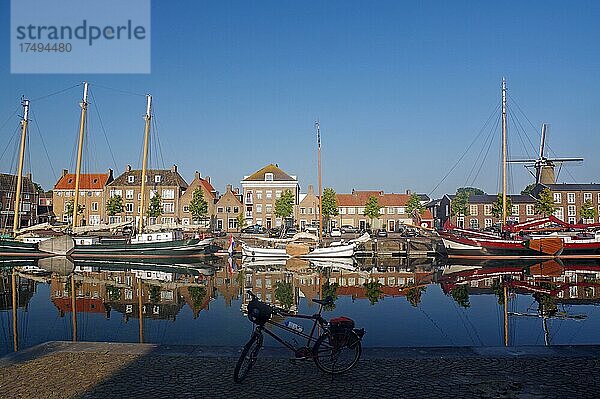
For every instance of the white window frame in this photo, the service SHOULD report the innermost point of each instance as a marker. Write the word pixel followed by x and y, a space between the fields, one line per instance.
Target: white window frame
pixel 557 198
pixel 131 179
pixel 157 178
pixel 570 198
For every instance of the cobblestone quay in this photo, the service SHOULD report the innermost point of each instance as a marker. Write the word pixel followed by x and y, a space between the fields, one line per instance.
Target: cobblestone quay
pixel 107 370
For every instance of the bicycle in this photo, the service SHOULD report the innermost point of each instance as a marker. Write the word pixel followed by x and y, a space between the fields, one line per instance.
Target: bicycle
pixel 336 350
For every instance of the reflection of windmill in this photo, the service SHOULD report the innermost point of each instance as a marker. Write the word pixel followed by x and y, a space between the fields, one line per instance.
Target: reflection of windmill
pixel 544 166
pixel 544 316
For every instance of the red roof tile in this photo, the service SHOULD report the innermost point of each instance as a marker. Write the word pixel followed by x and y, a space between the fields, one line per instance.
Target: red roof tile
pixel 87 181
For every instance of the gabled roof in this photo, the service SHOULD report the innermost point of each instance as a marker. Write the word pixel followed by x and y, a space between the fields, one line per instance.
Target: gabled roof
pixel 9 183
pixel 208 187
pixel 87 181
pixel 573 187
pixel 168 177
pixel 359 198
pixel 278 174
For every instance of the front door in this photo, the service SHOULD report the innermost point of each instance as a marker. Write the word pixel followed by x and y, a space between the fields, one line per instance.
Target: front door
pixel 268 223
pixel 391 226
pixel 362 224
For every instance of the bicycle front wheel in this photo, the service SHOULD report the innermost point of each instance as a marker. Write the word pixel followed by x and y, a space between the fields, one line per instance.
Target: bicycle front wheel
pixel 248 357
pixel 335 356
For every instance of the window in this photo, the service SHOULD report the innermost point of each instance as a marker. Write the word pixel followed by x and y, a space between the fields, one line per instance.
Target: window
pixel 168 207
pixel 487 210
pixel 473 211
pixel 269 207
pixel 249 197
pixel 129 218
pixel 26 196
pixel 474 223
pixel 401 210
pixel 351 211
pixel 228 209
pixel 139 196
pixel 311 211
pixel 302 211
pixel 557 198
pixel 232 223
pixel 571 220
pixel 572 211
pixel 157 178
pixel 26 207
pixel 529 209
pixel 559 213
pixel 186 208
pixel 128 194
pixel 114 219
pixel 342 211
pixel 131 179
pixel 361 211
pixel 487 222
pixel 185 221
pixel 94 206
pixel 153 193
pixel 390 211
pixel 268 176
pixel 220 209
pixel 258 208
pixel 236 209
pixel 168 194
pixel 278 194
pixel 168 219
pixel 571 198
pixel 515 209
pixel 269 194
pixel 587 197
pixel 129 207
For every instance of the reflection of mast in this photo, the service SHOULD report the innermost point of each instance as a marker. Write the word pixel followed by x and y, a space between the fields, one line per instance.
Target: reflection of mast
pixel 14 310
pixel 140 311
pixel 73 308
pixel 505 314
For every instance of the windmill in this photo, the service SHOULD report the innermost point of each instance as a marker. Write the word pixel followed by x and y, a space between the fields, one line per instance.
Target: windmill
pixel 544 166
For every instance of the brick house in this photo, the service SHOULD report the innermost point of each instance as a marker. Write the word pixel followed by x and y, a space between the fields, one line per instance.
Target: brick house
pixel 228 207
pixel 260 191
pixel 91 196
pixel 166 182
pixel 351 208
pixel 308 209
pixel 29 201
pixel 210 195
pixel 569 199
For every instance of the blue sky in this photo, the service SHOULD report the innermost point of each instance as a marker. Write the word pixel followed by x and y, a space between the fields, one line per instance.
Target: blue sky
pixel 400 88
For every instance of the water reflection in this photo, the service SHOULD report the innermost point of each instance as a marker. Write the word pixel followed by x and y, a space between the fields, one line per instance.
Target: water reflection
pixel 406 302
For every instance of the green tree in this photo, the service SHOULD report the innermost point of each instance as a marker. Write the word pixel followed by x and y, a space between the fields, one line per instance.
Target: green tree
pixel 460 294
pixel 588 211
pixel 497 206
pixel 528 190
pixel 372 209
pixel 330 289
pixel 284 205
pixel 330 205
pixel 38 188
pixel 155 206
pixel 198 205
pixel 241 220
pixel 545 205
pixel 114 205
pixel 154 293
pixel 284 293
pixel 197 294
pixel 414 205
pixel 69 208
pixel 470 190
pixel 414 295
pixel 373 291
pixel 113 293
pixel 460 204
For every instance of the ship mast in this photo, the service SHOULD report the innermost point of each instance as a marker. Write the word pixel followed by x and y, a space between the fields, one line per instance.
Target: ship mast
pixel 319 179
pixel 83 105
pixel 147 117
pixel 24 121
pixel 504 210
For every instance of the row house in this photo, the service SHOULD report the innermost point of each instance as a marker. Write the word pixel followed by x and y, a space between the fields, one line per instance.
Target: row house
pixel 308 209
pixel 210 196
pixel 168 183
pixel 228 208
pixel 393 214
pixel 260 191
pixel 569 200
pixel 92 196
pixel 29 201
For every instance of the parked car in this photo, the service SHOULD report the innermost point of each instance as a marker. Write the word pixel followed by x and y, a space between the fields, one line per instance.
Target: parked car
pixel 381 233
pixel 290 233
pixel 254 229
pixel 312 229
pixel 347 228
pixel 335 232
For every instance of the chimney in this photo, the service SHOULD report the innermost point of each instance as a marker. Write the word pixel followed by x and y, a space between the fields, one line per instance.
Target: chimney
pixel 28 176
pixel 408 192
pixel 311 190
pixel 110 174
pixel 174 168
pixel 228 188
pixel 207 178
pixel 236 191
pixel 128 168
pixel 197 175
pixel 64 172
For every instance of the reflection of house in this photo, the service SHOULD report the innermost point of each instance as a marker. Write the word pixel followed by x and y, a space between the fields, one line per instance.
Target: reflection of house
pixel 25 289
pixel 227 283
pixel 196 296
pixel 260 191
pixel 90 296
pixel 210 196
pixel 264 285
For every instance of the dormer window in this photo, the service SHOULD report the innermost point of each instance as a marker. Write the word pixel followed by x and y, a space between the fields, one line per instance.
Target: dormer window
pixel 157 178
pixel 268 176
pixel 131 179
pixel 95 181
pixel 70 180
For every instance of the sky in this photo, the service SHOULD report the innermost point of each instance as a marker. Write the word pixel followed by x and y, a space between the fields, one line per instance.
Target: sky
pixel 401 89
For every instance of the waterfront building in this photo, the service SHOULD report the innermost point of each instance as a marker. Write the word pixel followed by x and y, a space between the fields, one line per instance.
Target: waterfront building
pixel 166 182
pixel 260 191
pixel 92 196
pixel 228 208
pixel 569 199
pixel 29 201
pixel 210 196
pixel 308 209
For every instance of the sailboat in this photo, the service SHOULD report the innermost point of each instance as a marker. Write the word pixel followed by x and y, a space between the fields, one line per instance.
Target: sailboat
pixel 518 240
pixel 169 244
pixel 289 248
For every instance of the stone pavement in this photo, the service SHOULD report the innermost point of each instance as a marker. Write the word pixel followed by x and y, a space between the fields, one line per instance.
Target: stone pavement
pixel 108 370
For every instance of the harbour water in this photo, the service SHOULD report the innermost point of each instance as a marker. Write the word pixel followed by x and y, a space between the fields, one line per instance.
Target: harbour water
pixel 400 303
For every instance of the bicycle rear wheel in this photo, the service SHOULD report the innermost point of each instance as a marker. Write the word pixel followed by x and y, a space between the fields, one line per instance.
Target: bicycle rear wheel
pixel 248 357
pixel 335 357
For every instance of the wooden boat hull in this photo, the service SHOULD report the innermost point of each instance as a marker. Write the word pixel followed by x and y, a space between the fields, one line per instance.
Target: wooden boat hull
pixel 158 249
pixel 334 251
pixel 14 248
